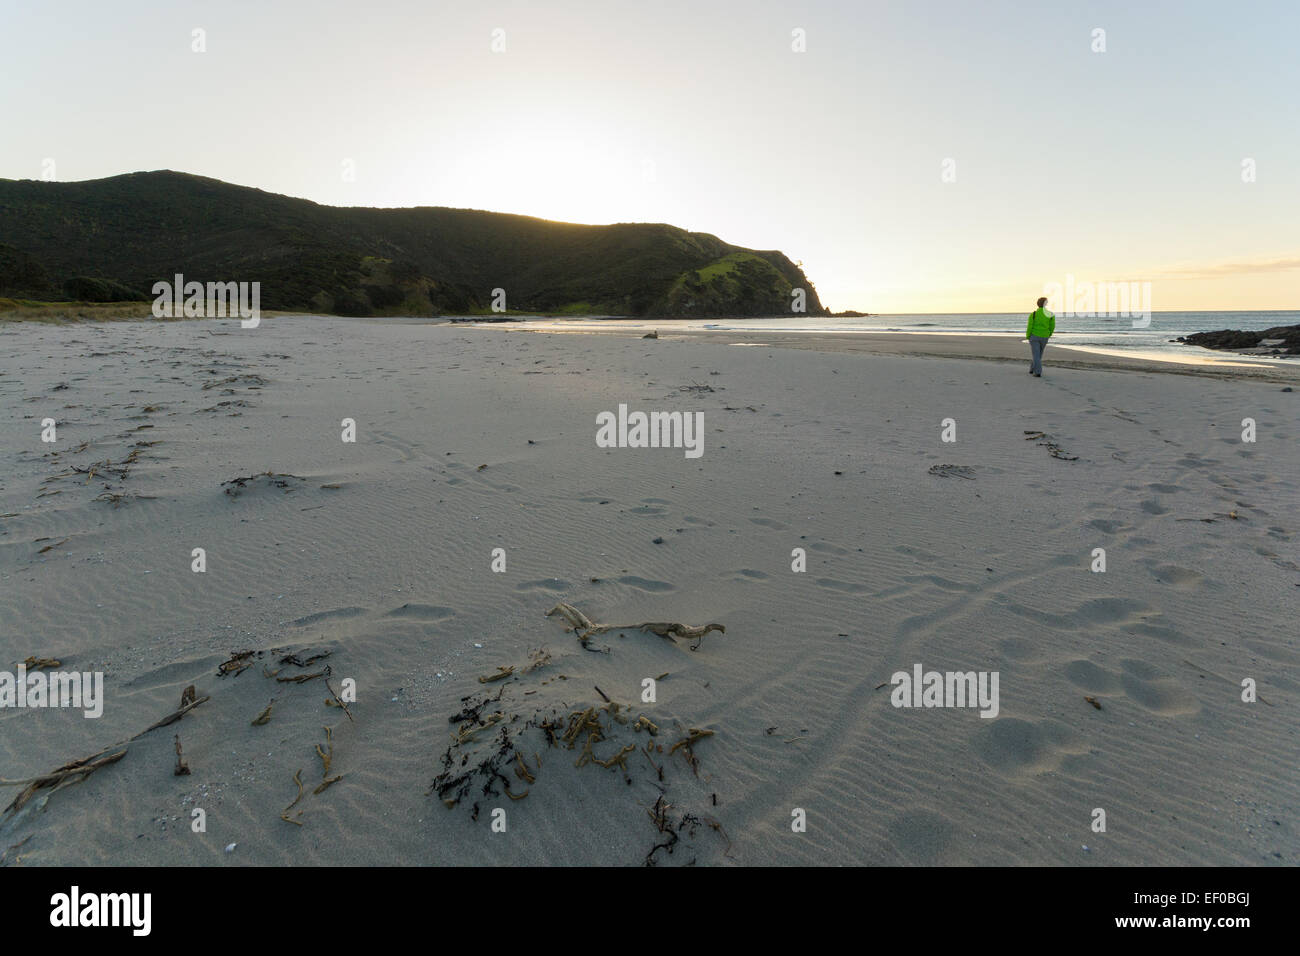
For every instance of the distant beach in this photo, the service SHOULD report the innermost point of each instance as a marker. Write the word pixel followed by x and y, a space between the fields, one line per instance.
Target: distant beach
pixel 1102 343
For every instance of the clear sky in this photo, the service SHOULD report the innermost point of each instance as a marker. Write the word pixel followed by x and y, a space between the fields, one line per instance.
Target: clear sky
pixel 1125 164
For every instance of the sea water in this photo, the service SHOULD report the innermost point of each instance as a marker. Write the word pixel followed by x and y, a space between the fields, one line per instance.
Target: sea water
pixel 1094 331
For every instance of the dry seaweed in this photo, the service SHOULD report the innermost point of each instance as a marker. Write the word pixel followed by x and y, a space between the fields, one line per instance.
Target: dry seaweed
pixel 116 497
pixel 476 764
pixel 239 662
pixel 338 701
pixel 265 716
pixel 297 661
pixel 247 379
pixel 953 471
pixel 485 758
pixel 87 765
pixel 327 783
pixel 326 757
pixel 284 814
pixel 687 743
pixel 274 479
pixel 4 856
pixel 1052 447
pixel 182 768
pixel 303 678
pixel 584 627
pixel 521 769
pixel 78 768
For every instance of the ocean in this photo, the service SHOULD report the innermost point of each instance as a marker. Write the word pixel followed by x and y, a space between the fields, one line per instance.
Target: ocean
pixel 1100 332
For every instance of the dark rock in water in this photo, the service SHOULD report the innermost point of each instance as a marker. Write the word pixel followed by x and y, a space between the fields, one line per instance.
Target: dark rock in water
pixel 1283 340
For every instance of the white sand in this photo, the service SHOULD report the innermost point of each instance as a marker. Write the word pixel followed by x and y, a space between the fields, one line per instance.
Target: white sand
pixel 827 451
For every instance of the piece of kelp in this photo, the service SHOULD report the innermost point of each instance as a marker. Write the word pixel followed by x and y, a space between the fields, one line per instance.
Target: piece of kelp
pixel 265 716
pixel 83 768
pixel 239 662
pixel 585 628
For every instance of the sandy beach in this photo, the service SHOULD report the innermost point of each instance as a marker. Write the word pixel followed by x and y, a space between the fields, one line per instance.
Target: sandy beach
pixel 408 574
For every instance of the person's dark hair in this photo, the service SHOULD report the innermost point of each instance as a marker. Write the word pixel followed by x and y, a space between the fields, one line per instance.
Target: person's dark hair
pixel 1042 302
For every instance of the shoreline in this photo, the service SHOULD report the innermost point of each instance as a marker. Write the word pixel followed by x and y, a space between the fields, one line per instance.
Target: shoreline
pixel 985 346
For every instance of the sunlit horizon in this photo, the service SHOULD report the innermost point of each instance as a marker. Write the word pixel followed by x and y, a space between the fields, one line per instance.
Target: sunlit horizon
pixel 915 160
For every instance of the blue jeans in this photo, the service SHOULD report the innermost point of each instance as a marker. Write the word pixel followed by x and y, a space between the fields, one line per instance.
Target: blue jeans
pixel 1036 345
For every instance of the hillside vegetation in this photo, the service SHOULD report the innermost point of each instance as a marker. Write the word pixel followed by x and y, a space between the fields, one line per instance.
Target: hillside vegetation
pixel 112 239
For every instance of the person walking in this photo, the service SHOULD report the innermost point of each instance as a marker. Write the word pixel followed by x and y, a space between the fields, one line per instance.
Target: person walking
pixel 1042 324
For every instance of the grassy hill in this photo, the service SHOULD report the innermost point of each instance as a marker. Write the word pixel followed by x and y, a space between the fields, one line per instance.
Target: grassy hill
pixel 111 239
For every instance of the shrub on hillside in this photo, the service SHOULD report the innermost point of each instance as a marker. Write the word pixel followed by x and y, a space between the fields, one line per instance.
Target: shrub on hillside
pixel 92 289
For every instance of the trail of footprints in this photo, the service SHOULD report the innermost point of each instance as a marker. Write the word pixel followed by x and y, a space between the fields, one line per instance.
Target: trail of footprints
pixel 1010 745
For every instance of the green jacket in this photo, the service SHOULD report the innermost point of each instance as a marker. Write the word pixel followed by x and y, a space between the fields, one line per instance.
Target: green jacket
pixel 1042 323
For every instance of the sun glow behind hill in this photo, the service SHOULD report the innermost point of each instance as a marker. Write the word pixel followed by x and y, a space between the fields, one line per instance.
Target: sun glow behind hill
pixel 1122 165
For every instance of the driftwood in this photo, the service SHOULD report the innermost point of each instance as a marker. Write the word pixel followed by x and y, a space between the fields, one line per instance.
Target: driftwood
pixel 585 628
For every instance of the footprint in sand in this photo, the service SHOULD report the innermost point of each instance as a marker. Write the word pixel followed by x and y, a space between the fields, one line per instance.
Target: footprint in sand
pixel 915 553
pixel 422 612
pixel 1105 526
pixel 1092 678
pixel 1146 629
pixel 749 574
pixel 1113 611
pixel 831 584
pixel 555 585
pixel 1013 746
pixel 1145 685
pixel 1091 613
pixel 943 584
pixel 320 616
pixel 1180 579
pixel 769 523
pixel 922 837
pixel 1163 489
pixel 645 584
pixel 1021 649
